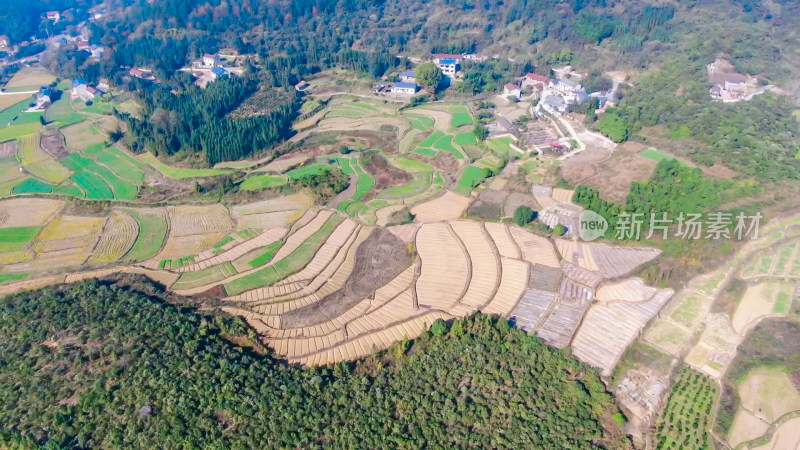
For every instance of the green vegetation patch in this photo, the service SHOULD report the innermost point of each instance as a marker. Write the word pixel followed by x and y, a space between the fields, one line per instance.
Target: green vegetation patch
pixel 152 232
pixel 269 253
pixel 435 136
pixel 460 118
pixel 33 186
pixel 467 138
pixel 420 181
pixel 658 156
pixel 191 280
pixel 471 177
pixel 685 422
pixel 75 161
pixel 9 277
pixel 120 165
pixel 179 173
pixel 412 165
pixel 289 265
pixel 16 131
pixel 420 122
pixel 313 169
pixel 259 182
pixel 94 185
pixel 17 238
pixel 502 146
pixel 446 143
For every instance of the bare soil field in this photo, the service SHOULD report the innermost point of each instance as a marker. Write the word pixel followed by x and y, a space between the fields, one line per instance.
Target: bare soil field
pixel 385 175
pixel 27 212
pixel 610 173
pixel 448 206
pixel 378 260
pixel 53 142
pixel 762 299
pixel 8 148
pixel 787 436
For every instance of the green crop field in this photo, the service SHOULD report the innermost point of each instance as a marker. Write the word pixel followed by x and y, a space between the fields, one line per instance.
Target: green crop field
pixel 446 144
pixel 426 151
pixel 365 183
pixel 189 280
pixel 76 161
pixel 33 186
pixel 289 265
pixel 17 238
pixel 435 136
pixel 418 184
pixel 9 277
pixel 345 165
pixel 49 170
pixel 460 118
pixel 685 422
pixel 71 189
pixel 62 113
pixel 420 122
pixel 263 182
pixel 502 146
pixel 10 113
pixel 94 186
pixel 178 173
pixel 471 177
pixel 16 131
pixel 411 165
pixel 120 166
pixel 267 255
pixel 152 232
pixel 300 172
pixel 467 138
pixel 122 189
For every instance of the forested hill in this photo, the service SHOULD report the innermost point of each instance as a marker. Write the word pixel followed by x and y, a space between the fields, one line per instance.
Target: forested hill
pixel 101 366
pixel 311 32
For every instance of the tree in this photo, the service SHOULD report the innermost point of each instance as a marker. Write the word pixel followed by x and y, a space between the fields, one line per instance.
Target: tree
pixel 428 76
pixel 523 216
pixel 614 127
pixel 480 131
pixel 560 230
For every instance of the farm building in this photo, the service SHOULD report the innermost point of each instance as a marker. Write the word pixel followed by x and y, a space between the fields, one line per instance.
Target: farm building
pixel 43 99
pixel 210 60
pixel 533 79
pixel 139 73
pixel 55 16
pixel 728 86
pixel 83 46
pixel 512 90
pixel 554 104
pixel 86 93
pixel 301 86
pixel 404 88
pixel 407 76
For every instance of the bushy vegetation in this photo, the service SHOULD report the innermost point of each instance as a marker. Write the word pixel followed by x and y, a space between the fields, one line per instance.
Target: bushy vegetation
pixel 100 365
pixel 523 216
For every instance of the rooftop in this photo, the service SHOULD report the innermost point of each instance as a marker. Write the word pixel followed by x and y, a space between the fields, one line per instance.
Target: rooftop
pixel 447 61
pixel 405 85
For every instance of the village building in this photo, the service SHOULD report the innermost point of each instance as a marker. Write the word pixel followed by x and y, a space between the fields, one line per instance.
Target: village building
pixel 567 85
pixel 512 90
pixel 210 60
pixel 534 79
pixel 404 88
pixel 449 67
pixel 5 42
pixel 301 86
pixel 55 16
pixel 554 104
pixel 139 73
pixel 438 57
pixel 407 76
pixel 729 86
pixel 83 46
pixel 43 99
pixel 97 51
pixel 219 72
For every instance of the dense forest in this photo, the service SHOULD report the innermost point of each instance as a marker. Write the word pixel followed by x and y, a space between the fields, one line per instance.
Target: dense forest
pixel 21 20
pixel 196 119
pixel 103 365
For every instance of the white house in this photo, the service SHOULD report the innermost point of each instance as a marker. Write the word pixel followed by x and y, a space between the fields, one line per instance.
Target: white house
pixel 5 42
pixel 404 88
pixel 511 89
pixel 210 60
pixel 97 51
pixel 567 85
pixel 53 15
pixel 407 76
pixel 448 66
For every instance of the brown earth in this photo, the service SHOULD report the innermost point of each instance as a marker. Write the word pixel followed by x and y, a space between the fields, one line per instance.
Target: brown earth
pixel 379 259
pixel 8 148
pixel 485 210
pixel 52 141
pixel 516 199
pixel 611 176
pixel 385 174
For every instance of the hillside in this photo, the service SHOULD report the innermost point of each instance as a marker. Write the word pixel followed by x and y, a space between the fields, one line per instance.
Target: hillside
pixel 105 366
